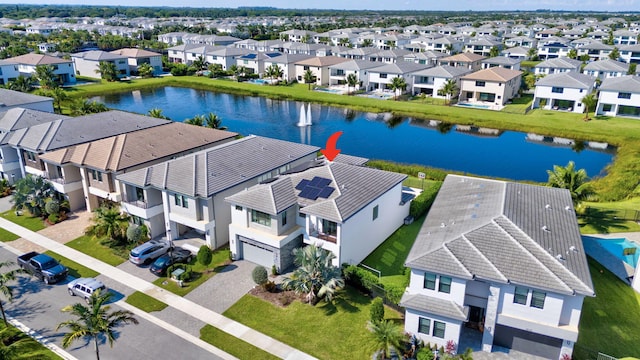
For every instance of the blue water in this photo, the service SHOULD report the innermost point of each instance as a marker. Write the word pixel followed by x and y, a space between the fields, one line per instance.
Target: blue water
pixel 374 136
pixel 617 246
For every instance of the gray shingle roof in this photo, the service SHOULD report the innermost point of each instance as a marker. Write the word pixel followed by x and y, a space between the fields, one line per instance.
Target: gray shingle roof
pixel 355 65
pixel 271 198
pixel 402 67
pixel 503 232
pixel 17 98
pixel 628 83
pixel 501 60
pixel 572 80
pixel 72 131
pixel 444 71
pixel 97 55
pixel 607 65
pixel 208 172
pixel 561 63
pixel 350 159
pixel 433 305
pixel 18 118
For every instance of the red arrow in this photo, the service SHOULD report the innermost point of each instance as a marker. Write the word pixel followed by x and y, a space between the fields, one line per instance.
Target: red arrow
pixel 331 152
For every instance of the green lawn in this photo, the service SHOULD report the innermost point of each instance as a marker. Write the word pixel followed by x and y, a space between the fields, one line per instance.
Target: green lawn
pixel 232 345
pixel 201 273
pixel 92 247
pixel 30 348
pixel 326 331
pixel 25 220
pixel 76 270
pixel 631 204
pixel 390 256
pixel 7 236
pixel 609 322
pixel 414 182
pixel 145 302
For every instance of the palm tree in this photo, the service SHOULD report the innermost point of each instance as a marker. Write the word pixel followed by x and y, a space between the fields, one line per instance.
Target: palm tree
pixel 309 78
pixel 397 83
pixel 532 53
pixel 145 70
pixel 14 344
pixel 589 101
pixel 632 69
pixel 199 63
pixel 316 276
pixel 107 70
pixel 5 289
pixel 367 43
pixel 58 95
pixel 352 81
pixel 82 106
pixel 567 177
pixel 572 54
pixel 46 76
pixel 615 54
pixel 494 51
pixel 213 121
pixel 22 84
pixel 386 335
pixel 157 113
pixel 109 222
pixel 94 321
pixel 274 72
pixel 449 89
pixel 32 193
pixel 197 120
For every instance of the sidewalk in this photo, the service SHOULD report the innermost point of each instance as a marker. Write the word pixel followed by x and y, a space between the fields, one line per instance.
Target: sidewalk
pixel 188 307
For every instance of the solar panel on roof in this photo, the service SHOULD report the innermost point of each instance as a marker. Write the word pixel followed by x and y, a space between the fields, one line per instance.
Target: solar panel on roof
pixel 302 184
pixel 310 192
pixel 314 181
pixel 326 192
pixel 323 182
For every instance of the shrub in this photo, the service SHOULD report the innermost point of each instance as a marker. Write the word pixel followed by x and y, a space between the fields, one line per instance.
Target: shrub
pixel 360 278
pixel 394 294
pixel 53 218
pixel 274 270
pixel 270 286
pixel 377 310
pixel 408 169
pixel 421 204
pixel 204 255
pixel 259 275
pixel 134 233
pixel 424 353
pixel 52 207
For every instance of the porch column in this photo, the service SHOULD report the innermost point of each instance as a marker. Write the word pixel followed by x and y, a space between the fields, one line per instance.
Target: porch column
pixel 85 188
pixel 490 318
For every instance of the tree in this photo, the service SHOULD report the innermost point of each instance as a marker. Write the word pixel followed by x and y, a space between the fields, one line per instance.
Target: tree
pixel 352 81
pixel 494 51
pixel 386 335
pixel 200 63
pixel 344 42
pixel 32 193
pixel 567 177
pixel 632 69
pixel 614 54
pixel 449 89
pixel 309 77
pixel 58 94
pixel 107 70
pixel 5 289
pixel 157 113
pixel 589 101
pixel 197 120
pixel 259 275
pixel 145 70
pixel 213 121
pixel 21 83
pixel 377 310
pixel 572 54
pixel 532 53
pixel 82 106
pixel 397 83
pixel 274 71
pixel 316 276
pixel 46 76
pixel 109 222
pixel 94 320
pixel 367 43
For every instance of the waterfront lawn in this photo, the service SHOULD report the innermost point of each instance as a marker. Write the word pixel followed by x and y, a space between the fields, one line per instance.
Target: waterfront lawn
pixel 76 270
pixel 597 225
pixel 609 322
pixel 341 324
pixel 145 302
pixel 93 247
pixel 232 345
pixel 25 220
pixel 201 273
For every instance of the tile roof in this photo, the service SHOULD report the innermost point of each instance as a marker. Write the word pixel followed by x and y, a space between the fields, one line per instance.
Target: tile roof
pixel 97 55
pixel 494 74
pixel 502 60
pixel 124 151
pixel 38 59
pixel 72 131
pixel 607 65
pixel 135 53
pixel 444 71
pixel 571 79
pixel 289 58
pixel 627 83
pixel 355 65
pixel 350 159
pixel 436 306
pixel 208 172
pixel 463 57
pixel 18 118
pixel 17 98
pixel 503 232
pixel 562 63
pixel 271 198
pixel 400 68
pixel 322 61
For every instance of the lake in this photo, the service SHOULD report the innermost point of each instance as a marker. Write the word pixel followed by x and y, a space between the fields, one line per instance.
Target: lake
pixel 508 154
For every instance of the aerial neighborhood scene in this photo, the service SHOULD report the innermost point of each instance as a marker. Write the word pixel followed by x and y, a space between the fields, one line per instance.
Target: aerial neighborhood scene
pixel 320 180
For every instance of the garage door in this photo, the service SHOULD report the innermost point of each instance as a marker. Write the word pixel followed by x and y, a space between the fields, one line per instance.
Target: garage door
pixel 527 342
pixel 257 255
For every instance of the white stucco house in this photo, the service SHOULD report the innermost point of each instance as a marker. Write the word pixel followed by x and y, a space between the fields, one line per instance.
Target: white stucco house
pixel 8 71
pixel 429 81
pixel 558 65
pixel 347 209
pixel 606 68
pixel 63 69
pixel 492 87
pixel 498 264
pixel 563 91
pixel 619 96
pixel 88 62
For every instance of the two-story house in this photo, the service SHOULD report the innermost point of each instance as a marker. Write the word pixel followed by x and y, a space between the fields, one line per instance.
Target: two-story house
pixel 347 209
pixel 619 96
pixel 470 61
pixel 190 190
pixel 286 62
pixel 498 264
pixel 8 71
pixel 563 91
pixel 87 63
pixel 339 72
pixel 556 66
pixel 137 57
pixel 492 87
pixel 62 68
pixel 381 77
pixel 319 66
pixel 606 68
pixel 430 81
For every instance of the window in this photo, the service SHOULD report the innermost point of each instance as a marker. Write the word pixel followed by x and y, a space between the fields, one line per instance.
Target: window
pixel 557 90
pixel 445 284
pixel 537 299
pixel 139 194
pixel 181 201
pixel 260 218
pixel 31 156
pixel 383 76
pixel 480 83
pixel 238 207
pixel 284 218
pixel 305 68
pixel 375 212
pixel 264 177
pixel 520 296
pixel 96 175
pixel 429 281
pixel 329 227
pixel 438 329
pixel 424 325
pixel 606 107
pixel 624 95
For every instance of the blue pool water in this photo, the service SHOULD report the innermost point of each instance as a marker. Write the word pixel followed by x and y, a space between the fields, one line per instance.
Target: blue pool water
pixel 476 106
pixel 617 248
pixel 258 81
pixel 333 91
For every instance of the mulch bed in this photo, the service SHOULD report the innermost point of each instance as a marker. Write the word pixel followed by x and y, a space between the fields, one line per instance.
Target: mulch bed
pixel 279 297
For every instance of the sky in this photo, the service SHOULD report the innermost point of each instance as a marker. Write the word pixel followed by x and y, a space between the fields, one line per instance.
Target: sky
pixel 476 5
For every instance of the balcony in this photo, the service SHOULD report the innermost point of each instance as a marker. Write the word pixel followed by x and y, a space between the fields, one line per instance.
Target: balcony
pixel 141 208
pixel 61 184
pixel 322 236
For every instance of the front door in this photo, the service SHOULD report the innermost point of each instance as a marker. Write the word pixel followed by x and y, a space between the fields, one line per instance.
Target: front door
pixel 476 317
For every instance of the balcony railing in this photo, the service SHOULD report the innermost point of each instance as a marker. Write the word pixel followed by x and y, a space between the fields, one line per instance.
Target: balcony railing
pixel 138 203
pixel 325 237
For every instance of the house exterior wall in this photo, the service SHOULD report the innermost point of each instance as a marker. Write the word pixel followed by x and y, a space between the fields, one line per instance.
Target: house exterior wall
pixel 456 294
pixel 321 74
pixel 9 164
pixel 8 72
pixel 88 68
pixel 66 71
pixel 434 83
pixel 452 327
pixel 503 91
pixel 545 92
pixel 607 97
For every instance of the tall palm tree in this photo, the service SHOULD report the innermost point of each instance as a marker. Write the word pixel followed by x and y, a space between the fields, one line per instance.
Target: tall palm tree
pixel 94 321
pixel 157 113
pixel 449 89
pixel 494 51
pixel 316 276
pixel 82 106
pixel 352 81
pixel 14 344
pixel 5 289
pixel 398 83
pixel 309 78
pixel 145 70
pixel 22 84
pixel 367 43
pixel 58 95
pixel 213 121
pixel 567 177
pixel 109 222
pixel 589 101
pixel 199 63
pixel 386 335
pixel 107 70
pixel 197 120
pixel 46 76
pixel 274 72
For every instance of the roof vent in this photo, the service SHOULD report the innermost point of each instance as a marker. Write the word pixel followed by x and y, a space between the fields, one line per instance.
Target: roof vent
pixel 560 257
pixel 546 228
pixel 548 206
pixel 573 248
pixel 568 208
pixel 443 225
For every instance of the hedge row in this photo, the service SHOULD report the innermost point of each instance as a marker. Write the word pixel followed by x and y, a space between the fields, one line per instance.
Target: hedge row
pixel 421 204
pixel 408 169
pixel 368 282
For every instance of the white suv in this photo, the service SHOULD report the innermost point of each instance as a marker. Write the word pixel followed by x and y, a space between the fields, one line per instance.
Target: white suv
pixel 84 287
pixel 148 251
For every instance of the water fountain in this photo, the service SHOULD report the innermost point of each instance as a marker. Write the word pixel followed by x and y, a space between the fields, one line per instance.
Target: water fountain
pixel 305 117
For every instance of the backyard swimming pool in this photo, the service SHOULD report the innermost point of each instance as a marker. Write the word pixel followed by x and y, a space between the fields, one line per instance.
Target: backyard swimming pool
pixel 475 106
pixel 623 249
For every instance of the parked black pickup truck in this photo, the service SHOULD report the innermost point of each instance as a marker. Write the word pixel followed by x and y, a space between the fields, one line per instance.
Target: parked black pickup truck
pixel 42 266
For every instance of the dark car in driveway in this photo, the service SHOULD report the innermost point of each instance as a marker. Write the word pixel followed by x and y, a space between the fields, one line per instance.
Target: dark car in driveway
pixel 174 256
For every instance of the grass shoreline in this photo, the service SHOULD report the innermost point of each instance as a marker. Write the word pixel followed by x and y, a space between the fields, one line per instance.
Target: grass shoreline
pixel 619 183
